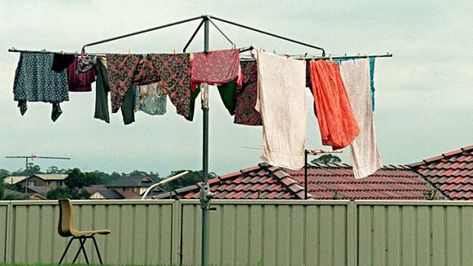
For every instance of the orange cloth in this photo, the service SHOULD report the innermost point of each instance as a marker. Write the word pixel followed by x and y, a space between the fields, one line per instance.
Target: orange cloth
pixel 338 126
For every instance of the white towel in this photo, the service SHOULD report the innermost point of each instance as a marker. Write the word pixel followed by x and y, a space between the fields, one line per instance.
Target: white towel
pixel 281 101
pixel 364 151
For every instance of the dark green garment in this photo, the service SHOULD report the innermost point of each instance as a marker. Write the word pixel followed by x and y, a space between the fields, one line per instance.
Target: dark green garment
pixel 194 95
pixel 101 93
pixel 128 106
pixel 227 94
pixel 102 89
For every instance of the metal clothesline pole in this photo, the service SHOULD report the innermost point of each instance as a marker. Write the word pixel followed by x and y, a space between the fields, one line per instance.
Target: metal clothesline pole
pixel 205 194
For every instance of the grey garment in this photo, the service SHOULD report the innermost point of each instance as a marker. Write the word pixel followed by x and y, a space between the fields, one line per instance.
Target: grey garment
pixel 36 82
pixel 151 99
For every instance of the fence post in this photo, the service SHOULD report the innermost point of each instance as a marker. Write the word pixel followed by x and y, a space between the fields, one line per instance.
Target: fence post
pixel 176 232
pixel 9 234
pixel 352 234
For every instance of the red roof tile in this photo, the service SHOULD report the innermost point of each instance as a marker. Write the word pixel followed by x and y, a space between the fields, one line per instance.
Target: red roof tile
pixel 325 181
pixel 451 172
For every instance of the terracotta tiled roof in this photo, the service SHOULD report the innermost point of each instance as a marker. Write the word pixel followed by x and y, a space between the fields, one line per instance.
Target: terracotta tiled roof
pixel 336 181
pixel 451 173
pixel 259 182
pixel 325 181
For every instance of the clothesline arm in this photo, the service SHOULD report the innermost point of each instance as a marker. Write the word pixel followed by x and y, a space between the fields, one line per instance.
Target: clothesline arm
pixel 193 36
pixel 269 33
pixel 140 32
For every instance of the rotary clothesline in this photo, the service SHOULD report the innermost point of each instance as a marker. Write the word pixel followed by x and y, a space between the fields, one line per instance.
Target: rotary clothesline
pixel 270 70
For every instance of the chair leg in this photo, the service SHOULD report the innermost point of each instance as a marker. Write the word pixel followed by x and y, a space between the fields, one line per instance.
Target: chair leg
pixel 97 250
pixel 65 251
pixel 82 242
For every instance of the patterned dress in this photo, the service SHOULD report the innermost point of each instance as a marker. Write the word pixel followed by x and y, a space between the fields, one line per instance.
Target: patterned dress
pixel 36 82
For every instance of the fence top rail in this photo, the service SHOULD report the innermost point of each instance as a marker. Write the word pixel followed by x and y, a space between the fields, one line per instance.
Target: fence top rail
pixel 90 202
pixel 415 202
pixel 269 202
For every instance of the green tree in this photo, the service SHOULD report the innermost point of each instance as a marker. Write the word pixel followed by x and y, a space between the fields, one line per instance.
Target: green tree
pixel 191 178
pixel 327 158
pixel 59 193
pixel 76 179
pixel 4 173
pixel 2 189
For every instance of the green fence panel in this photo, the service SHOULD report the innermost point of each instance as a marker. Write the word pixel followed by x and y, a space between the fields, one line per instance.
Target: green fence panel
pixel 141 231
pixel 3 231
pixel 268 233
pixel 415 233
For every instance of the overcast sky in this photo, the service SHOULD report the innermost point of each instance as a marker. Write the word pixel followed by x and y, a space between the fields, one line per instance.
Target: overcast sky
pixel 424 93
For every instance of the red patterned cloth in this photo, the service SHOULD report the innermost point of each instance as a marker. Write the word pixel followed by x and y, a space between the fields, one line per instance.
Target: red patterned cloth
pixel 121 72
pixel 80 82
pixel 173 70
pixel 216 67
pixel 245 112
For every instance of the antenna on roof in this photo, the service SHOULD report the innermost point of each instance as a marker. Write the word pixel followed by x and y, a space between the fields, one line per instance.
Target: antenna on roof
pixel 26 157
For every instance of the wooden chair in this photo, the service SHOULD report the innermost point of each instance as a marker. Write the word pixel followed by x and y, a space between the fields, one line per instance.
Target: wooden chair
pixel 67 228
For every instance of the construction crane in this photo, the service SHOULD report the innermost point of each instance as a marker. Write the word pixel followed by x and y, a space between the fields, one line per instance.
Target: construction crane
pixel 27 157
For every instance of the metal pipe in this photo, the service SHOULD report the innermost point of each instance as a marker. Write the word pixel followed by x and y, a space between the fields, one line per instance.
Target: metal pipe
pixel 193 35
pixel 305 174
pixel 224 35
pixel 140 32
pixel 330 57
pixel 205 190
pixel 270 34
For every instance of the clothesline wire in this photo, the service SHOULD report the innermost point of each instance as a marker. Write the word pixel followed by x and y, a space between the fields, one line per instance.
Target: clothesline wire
pixel 309 58
pixel 14 50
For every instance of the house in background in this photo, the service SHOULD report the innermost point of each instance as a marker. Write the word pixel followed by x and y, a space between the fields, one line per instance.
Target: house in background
pixel 124 188
pixel 13 180
pixel 325 182
pixel 48 180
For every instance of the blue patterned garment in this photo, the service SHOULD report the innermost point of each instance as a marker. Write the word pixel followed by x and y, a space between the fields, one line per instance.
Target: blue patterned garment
pixel 151 99
pixel 36 82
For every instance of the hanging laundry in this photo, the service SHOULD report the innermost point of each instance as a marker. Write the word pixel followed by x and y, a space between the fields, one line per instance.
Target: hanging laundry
pixel 372 65
pixel 216 67
pixel 102 89
pixel 227 93
pixel 85 63
pixel 61 61
pixel 245 96
pixel 338 126
pixel 364 150
pixel 36 82
pixel 281 101
pixel 151 99
pixel 128 106
pixel 173 70
pixel 80 81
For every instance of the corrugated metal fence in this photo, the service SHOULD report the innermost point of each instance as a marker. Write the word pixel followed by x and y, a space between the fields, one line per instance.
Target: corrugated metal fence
pixel 249 232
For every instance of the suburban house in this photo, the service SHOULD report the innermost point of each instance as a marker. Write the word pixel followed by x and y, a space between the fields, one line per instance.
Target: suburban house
pixel 48 180
pixel 14 179
pixel 124 188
